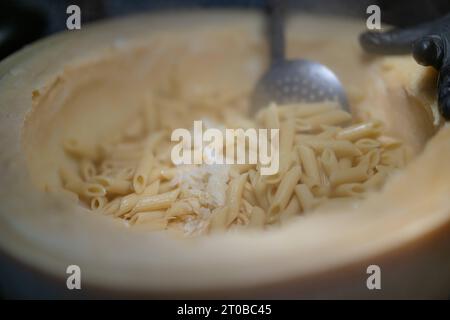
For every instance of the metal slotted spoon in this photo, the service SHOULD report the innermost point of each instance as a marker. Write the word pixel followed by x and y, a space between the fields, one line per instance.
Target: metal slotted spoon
pixel 292 81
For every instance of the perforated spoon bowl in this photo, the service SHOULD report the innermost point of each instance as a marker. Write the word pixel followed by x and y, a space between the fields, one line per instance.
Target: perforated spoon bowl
pixel 293 81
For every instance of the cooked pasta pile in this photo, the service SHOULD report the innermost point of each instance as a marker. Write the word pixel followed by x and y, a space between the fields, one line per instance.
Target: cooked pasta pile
pixel 323 158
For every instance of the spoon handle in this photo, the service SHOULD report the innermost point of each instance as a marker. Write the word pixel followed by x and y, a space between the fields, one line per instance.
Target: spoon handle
pixel 276 30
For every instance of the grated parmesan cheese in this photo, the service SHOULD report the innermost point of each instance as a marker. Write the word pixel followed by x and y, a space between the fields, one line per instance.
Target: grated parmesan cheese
pixel 205 185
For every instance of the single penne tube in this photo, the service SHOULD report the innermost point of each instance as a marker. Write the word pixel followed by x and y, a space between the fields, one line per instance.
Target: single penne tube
pixel 320 191
pixel 155 174
pixel 127 203
pixel 284 191
pixel 270 192
pixel 257 218
pixel 234 197
pixel 218 220
pixel 87 169
pixel 157 224
pixel 260 192
pixel 242 168
pixel 92 190
pixel 328 132
pixel 324 180
pixel 302 126
pixel 247 207
pixel 85 189
pixel 253 177
pixel 309 163
pixel 146 163
pixel 292 209
pixel 98 203
pixel 366 144
pixel 376 181
pixel 341 148
pixel 295 160
pixel 242 219
pixel 143 171
pixel 156 202
pixel 152 189
pixel 168 173
pixel 389 142
pixel 166 186
pixel 305 197
pixel 355 174
pixel 249 196
pixel 329 161
pixel 370 160
pixel 394 158
pixel 359 131
pixel 248 186
pixel 111 207
pixel 113 185
pixel 287 135
pixel 147 217
pixel 178 209
pixel 350 190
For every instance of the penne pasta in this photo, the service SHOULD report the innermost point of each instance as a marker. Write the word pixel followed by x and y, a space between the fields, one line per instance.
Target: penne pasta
pixel 329 161
pixel 234 196
pixel 87 169
pixel 324 162
pixel 257 218
pixel 350 190
pixel 359 131
pixel 347 175
pixel 284 191
pixel 219 219
pixel 305 197
pixel 113 185
pixel 98 203
pixel 156 202
pixel 340 148
pixel 292 209
pixel 309 163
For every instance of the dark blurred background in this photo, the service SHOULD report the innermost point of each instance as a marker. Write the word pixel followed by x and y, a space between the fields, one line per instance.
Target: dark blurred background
pixel 23 21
